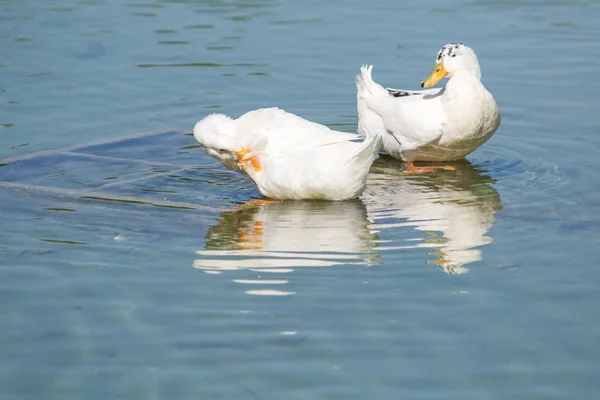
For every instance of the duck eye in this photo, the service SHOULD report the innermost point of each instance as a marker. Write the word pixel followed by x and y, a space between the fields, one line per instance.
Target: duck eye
pixel 454 55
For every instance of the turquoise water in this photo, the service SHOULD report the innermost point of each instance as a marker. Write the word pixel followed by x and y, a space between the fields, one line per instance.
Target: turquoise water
pixel 140 268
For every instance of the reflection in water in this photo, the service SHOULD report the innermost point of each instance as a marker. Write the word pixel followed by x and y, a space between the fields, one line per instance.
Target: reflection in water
pixel 274 237
pixel 455 209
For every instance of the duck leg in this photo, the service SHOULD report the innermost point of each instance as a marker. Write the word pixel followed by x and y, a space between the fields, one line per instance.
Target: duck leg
pixel 411 168
pixel 254 203
pixel 260 202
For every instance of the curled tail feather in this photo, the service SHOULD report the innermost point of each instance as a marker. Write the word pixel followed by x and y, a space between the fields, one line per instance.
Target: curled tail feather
pixel 370 144
pixel 369 122
pixel 366 86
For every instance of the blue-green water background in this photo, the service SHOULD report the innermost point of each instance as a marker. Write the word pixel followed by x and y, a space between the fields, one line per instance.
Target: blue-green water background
pixel 480 283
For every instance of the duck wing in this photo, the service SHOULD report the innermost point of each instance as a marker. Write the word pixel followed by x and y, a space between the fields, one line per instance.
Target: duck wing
pixel 413 118
pixel 281 132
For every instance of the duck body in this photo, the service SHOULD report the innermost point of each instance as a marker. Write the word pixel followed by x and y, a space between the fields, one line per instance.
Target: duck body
pixel 289 157
pixel 434 124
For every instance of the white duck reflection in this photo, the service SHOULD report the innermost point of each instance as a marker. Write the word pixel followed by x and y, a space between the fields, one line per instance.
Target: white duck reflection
pixel 455 209
pixel 278 236
pixel 448 212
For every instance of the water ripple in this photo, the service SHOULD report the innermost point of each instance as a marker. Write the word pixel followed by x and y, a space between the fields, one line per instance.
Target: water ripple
pixel 455 210
pixel 448 213
pixel 201 65
pixel 281 236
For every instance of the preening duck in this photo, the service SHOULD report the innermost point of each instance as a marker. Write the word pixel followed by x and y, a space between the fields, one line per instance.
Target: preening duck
pixel 435 124
pixel 289 157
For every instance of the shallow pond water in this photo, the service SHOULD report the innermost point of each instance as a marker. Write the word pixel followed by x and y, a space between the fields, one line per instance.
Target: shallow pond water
pixel 133 265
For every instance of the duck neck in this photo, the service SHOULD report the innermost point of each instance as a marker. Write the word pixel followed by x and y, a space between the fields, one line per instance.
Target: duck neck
pixel 463 100
pixel 463 83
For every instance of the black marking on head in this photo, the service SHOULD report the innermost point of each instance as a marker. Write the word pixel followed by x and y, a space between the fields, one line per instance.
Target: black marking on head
pixel 400 93
pixel 448 50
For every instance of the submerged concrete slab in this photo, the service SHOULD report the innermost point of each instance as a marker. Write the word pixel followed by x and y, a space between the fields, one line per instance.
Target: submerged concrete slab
pixel 161 168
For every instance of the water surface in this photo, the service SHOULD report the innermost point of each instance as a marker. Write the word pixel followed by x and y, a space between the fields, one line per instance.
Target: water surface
pixel 141 268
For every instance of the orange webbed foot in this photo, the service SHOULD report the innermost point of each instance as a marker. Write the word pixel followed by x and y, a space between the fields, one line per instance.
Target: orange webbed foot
pixel 411 168
pixel 253 159
pixel 260 202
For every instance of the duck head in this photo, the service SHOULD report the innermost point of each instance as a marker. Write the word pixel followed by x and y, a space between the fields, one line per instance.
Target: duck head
pixel 216 134
pixel 451 59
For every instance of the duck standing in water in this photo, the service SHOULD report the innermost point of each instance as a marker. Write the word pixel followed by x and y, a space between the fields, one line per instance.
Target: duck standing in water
pixel 289 157
pixel 431 125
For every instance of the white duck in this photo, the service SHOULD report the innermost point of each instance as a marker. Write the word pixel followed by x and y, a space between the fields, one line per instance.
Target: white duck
pixel 289 157
pixel 431 125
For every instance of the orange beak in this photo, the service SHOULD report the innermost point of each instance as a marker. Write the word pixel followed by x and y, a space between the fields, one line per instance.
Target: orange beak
pixel 435 76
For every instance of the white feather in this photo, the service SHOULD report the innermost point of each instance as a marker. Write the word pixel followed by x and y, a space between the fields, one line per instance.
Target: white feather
pixel 434 124
pixel 298 159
